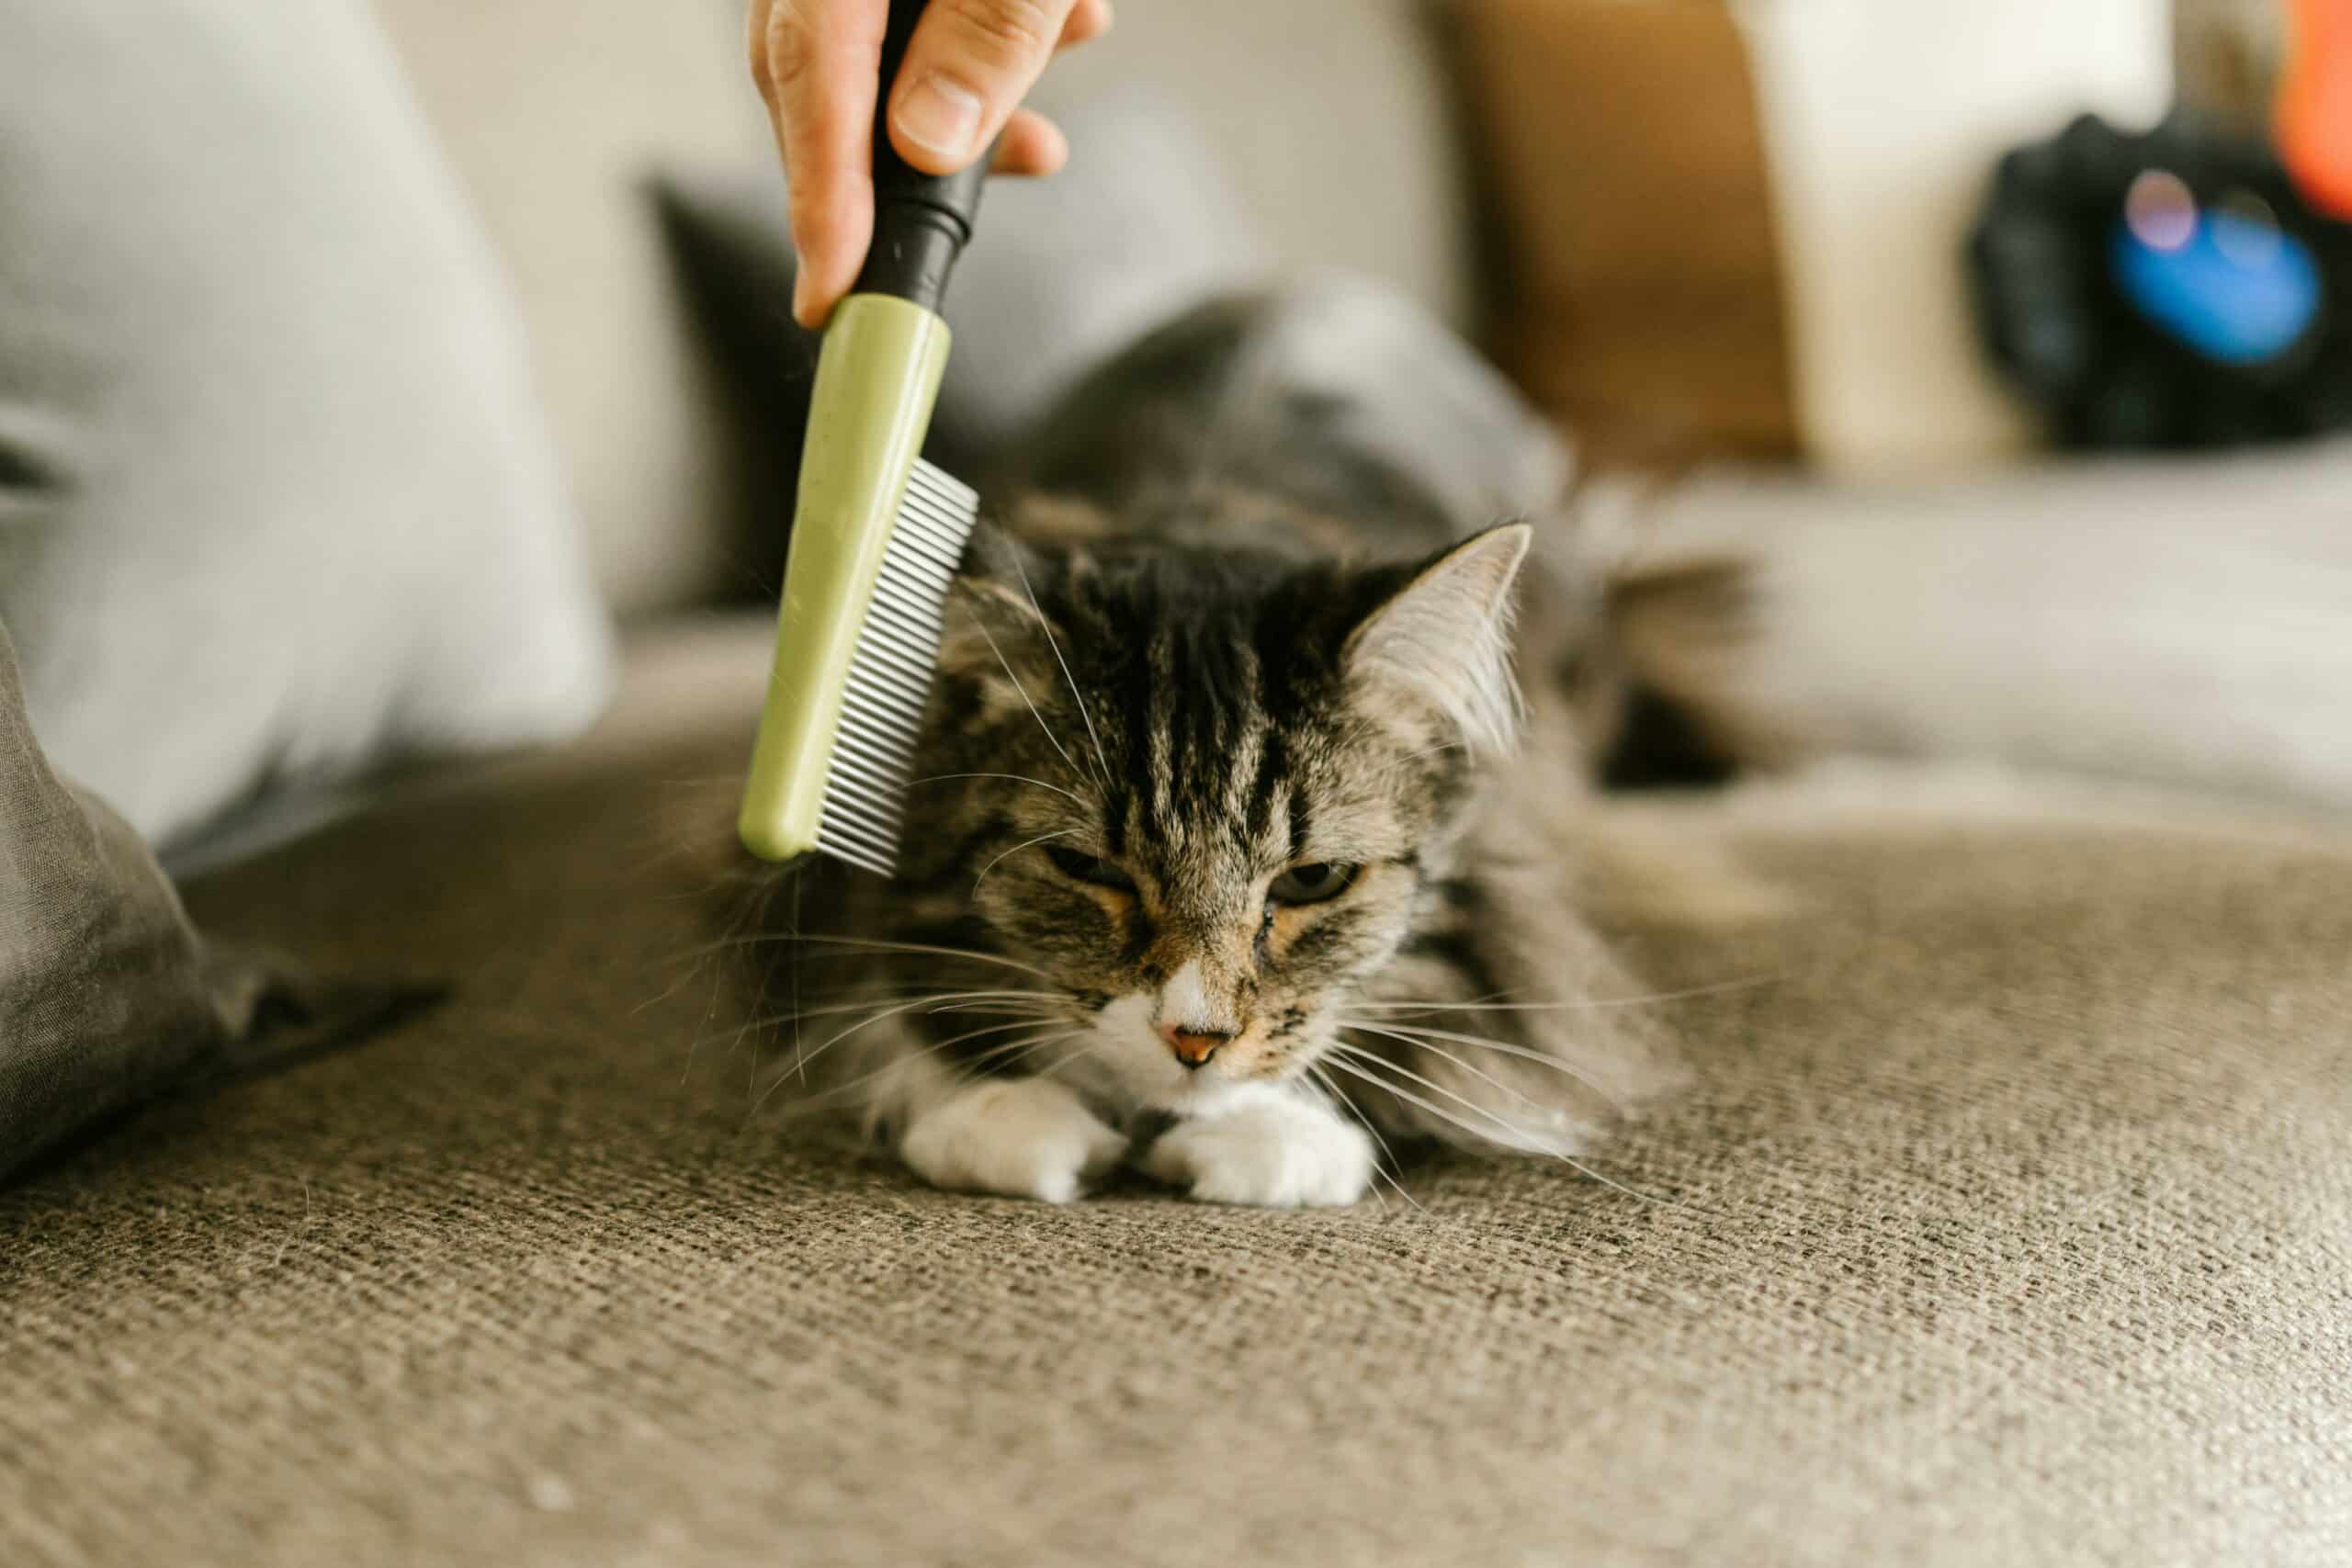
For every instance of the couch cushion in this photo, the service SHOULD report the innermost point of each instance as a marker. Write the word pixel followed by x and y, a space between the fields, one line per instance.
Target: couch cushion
pixel 2009 1224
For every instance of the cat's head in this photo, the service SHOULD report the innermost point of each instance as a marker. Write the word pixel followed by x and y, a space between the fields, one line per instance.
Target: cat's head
pixel 1198 794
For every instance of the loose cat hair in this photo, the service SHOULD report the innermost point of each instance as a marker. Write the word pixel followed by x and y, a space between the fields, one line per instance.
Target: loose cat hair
pixel 1236 850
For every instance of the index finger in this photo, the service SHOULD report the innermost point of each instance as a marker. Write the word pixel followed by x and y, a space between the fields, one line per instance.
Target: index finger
pixel 819 63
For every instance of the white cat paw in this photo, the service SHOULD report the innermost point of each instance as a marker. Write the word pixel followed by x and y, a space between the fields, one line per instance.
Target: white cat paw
pixel 1276 1152
pixel 1018 1137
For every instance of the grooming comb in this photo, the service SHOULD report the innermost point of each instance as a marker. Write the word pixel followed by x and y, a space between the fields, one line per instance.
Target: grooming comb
pixel 877 533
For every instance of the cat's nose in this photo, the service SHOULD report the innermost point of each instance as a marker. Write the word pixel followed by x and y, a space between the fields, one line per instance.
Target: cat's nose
pixel 1193 1047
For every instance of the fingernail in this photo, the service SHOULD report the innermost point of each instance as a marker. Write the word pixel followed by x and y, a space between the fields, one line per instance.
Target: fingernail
pixel 940 116
pixel 800 299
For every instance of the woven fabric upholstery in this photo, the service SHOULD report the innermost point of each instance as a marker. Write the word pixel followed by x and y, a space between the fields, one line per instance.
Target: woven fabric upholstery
pixel 2009 1224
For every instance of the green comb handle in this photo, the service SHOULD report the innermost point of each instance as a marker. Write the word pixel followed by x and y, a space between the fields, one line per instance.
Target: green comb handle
pixel 878 376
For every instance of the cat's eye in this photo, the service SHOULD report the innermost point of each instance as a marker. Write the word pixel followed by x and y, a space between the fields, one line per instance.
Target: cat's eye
pixel 1080 867
pixel 1311 884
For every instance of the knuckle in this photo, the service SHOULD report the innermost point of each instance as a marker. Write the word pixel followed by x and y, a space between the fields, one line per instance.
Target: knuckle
pixel 782 55
pixel 1006 32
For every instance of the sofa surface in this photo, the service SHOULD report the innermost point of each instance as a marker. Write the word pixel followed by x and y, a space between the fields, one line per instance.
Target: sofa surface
pixel 2007 1223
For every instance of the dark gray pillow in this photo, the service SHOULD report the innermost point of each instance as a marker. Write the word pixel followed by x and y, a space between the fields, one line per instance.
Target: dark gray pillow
pixel 107 997
pixel 276 498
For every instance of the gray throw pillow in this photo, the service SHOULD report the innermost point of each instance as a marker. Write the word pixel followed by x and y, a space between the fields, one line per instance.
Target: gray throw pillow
pixel 276 498
pixel 107 997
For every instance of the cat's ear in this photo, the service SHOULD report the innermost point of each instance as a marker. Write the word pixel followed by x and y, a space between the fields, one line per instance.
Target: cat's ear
pixel 1444 638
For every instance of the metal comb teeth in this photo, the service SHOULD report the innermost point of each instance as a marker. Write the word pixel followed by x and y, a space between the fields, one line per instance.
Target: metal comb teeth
pixel 890 671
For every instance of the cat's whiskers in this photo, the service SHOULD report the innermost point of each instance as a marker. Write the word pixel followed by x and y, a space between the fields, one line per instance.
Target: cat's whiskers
pixel 892 1003
pixel 874 984
pixel 1387 1156
pixel 1058 833
pixel 1006 666
pixel 747 910
pixel 1009 778
pixel 885 1014
pixel 945 1000
pixel 1591 1004
pixel 798 1063
pixel 1353 1062
pixel 1430 1007
pixel 1425 1040
pixel 793 974
pixel 1015 1054
pixel 1003 1053
pixel 933 1048
pixel 1102 762
pixel 1053 1069
pixel 1420 1042
pixel 1005 1009
pixel 877 944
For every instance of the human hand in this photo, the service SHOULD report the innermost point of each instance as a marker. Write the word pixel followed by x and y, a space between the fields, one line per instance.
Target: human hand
pixel 817 65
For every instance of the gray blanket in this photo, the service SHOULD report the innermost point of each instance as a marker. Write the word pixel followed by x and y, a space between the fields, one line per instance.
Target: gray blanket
pixel 107 994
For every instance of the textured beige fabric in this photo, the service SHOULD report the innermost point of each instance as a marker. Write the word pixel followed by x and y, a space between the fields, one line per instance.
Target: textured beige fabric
pixel 2009 1224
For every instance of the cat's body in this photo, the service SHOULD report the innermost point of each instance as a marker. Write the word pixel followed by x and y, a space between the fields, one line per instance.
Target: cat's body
pixel 1234 851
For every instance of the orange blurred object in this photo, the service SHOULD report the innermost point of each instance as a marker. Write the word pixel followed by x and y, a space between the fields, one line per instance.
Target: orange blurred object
pixel 2312 119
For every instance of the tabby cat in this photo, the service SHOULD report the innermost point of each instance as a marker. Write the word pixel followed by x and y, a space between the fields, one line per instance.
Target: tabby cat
pixel 1234 853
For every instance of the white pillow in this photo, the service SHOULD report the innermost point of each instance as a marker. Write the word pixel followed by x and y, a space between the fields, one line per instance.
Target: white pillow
pixel 275 498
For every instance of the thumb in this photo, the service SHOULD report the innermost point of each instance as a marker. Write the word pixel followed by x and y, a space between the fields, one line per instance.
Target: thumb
pixel 967 68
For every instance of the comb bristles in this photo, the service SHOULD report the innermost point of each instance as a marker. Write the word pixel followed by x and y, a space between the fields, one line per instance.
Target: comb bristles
pixel 923 511
pixel 901 617
pixel 890 672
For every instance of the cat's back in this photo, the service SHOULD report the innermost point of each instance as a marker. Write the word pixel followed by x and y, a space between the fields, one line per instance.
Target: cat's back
pixel 1322 419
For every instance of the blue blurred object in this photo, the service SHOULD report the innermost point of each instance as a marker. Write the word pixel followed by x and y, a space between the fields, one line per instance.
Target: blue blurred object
pixel 2163 290
pixel 2237 291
